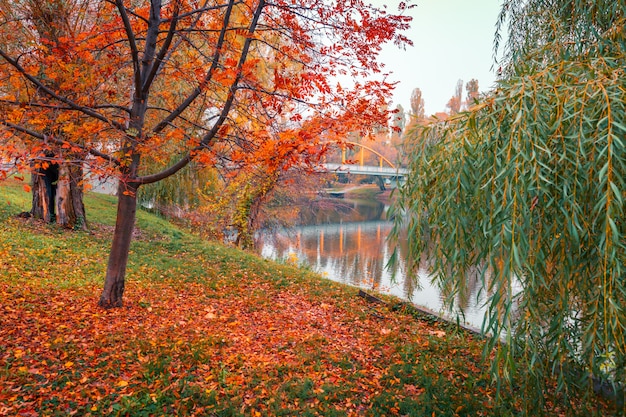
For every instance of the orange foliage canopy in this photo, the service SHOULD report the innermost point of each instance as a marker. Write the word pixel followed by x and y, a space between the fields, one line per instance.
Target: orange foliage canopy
pixel 114 81
pixel 118 80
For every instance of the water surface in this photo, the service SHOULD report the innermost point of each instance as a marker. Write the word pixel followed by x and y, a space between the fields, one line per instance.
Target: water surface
pixel 349 244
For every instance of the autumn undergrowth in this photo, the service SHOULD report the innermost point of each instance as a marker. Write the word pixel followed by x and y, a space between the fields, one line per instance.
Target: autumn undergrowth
pixel 213 331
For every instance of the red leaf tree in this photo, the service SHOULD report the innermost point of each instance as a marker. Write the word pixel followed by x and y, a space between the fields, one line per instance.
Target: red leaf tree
pixel 173 80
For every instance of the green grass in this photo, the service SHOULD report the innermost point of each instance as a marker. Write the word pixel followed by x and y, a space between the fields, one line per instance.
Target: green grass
pixel 364 192
pixel 210 330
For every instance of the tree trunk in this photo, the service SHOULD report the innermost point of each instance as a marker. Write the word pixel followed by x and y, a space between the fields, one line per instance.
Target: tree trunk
pixel 70 210
pixel 58 195
pixel 77 176
pixel 118 257
pixel 43 200
pixel 126 212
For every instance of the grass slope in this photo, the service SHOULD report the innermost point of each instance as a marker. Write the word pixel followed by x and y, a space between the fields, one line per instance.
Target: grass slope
pixel 209 330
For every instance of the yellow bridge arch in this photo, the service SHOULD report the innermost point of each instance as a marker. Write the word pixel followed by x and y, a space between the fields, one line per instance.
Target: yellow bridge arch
pixel 381 157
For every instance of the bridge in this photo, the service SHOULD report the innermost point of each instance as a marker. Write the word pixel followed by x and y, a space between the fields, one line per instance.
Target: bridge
pixel 385 167
pixel 366 170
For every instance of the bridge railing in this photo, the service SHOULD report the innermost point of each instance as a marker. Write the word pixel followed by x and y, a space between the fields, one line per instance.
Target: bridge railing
pixel 365 169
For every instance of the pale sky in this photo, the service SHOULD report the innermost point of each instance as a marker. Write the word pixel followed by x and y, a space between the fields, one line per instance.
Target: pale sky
pixel 453 39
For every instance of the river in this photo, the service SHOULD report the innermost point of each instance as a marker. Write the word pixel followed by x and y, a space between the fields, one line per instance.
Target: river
pixel 349 244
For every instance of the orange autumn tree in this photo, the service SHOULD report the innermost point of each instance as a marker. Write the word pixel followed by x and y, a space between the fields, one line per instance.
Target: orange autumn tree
pixel 53 160
pixel 278 159
pixel 272 149
pixel 166 78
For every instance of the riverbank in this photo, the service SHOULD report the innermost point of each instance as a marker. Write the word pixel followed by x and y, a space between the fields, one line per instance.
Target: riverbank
pixel 366 192
pixel 210 330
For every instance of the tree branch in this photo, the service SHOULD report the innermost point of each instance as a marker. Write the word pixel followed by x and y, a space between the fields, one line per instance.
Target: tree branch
pixel 57 107
pixel 198 90
pixel 134 51
pixel 148 179
pixel 235 85
pixel 156 65
pixel 61 142
pixel 86 110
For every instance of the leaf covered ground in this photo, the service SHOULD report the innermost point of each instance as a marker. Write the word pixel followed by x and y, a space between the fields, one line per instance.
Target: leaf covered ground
pixel 208 330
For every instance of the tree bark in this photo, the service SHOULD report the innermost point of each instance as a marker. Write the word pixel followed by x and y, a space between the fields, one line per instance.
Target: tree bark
pixel 77 176
pixel 58 195
pixel 118 257
pixel 42 201
pixel 69 198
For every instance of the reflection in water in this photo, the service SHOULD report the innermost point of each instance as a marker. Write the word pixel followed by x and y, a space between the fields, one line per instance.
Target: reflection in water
pixel 356 253
pixel 340 211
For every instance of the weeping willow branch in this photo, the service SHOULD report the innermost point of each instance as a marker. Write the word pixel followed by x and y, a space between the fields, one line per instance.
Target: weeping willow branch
pixel 531 184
